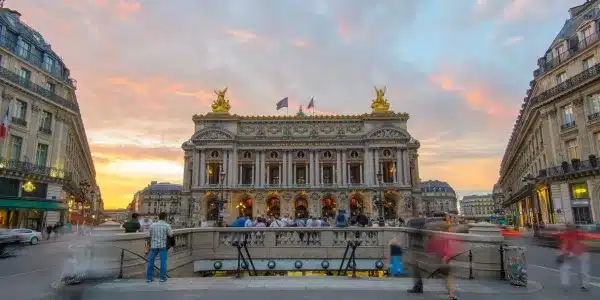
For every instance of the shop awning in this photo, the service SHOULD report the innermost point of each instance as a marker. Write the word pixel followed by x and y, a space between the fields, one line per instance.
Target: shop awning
pixel 33 204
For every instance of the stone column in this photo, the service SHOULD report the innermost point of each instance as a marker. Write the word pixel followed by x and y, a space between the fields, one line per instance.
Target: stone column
pixel 234 167
pixel 290 168
pixel 239 179
pixel 345 168
pixel 399 167
pixel 263 155
pixel 310 179
pixel 339 169
pixel 280 174
pixel 406 166
pixel 202 175
pixel 195 168
pixel 317 176
pixel 361 180
pixel 320 174
pixel 376 165
pixel 367 166
pixel 230 168
pixel 256 181
pixel 268 179
pixel 283 169
pixel 294 174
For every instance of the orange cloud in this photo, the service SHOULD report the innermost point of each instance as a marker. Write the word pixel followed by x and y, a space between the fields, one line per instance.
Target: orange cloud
pixel 242 35
pixel 478 97
pixel 471 174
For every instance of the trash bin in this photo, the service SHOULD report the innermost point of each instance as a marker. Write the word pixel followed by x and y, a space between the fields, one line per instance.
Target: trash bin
pixel 515 265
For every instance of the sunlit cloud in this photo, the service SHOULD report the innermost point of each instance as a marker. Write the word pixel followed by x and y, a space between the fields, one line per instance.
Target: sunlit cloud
pixel 144 68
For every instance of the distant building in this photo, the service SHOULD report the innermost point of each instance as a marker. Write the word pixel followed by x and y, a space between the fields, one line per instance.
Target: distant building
pixel 477 206
pixel 438 196
pixel 117 215
pixel 160 197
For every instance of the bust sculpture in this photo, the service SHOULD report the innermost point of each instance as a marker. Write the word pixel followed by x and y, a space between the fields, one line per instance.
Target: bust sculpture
pixel 221 105
pixel 380 104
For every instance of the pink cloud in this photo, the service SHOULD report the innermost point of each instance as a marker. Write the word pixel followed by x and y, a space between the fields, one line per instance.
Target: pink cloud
pixel 301 43
pixel 242 35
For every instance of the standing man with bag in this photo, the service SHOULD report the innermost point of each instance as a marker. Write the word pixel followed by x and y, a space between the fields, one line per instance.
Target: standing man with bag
pixel 159 232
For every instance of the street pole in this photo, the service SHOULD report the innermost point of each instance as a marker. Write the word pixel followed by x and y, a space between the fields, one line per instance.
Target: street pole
pixel 381 200
pixel 221 201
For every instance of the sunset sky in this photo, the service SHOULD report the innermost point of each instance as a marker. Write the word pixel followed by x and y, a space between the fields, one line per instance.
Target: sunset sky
pixel 460 68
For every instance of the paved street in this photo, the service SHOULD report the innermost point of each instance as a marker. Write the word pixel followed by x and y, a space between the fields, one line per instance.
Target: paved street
pixel 29 275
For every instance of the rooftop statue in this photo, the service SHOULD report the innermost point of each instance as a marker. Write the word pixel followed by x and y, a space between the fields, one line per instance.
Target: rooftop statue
pixel 380 104
pixel 221 105
pixel 300 112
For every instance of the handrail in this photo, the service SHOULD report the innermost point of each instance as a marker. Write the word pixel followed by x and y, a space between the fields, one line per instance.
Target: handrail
pixel 123 250
pixel 457 255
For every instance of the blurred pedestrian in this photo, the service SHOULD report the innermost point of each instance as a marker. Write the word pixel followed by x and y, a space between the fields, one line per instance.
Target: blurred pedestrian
pixel 396 266
pixel 572 250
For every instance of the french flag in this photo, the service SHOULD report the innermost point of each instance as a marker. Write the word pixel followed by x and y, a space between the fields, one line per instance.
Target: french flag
pixel 4 126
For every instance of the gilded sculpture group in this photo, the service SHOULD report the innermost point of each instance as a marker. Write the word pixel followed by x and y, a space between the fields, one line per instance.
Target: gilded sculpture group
pixel 379 104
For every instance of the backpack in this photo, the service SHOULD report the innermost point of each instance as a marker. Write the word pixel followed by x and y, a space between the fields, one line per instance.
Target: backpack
pixel 341 218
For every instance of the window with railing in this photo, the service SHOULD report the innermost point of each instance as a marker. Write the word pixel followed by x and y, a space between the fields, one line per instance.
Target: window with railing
pixel 48 63
pixel 41 155
pixel 23 48
pixel 588 63
pixel 25 75
pixel 561 77
pixel 20 112
pixel 50 87
pixel 16 146
pixel 46 122
pixel 572 149
pixel 567 116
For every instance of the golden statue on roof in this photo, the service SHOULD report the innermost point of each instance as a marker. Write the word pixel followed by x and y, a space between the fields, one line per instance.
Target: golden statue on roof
pixel 221 105
pixel 380 104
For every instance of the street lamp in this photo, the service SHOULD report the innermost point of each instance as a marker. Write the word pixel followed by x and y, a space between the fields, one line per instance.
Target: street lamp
pixel 381 200
pixel 221 201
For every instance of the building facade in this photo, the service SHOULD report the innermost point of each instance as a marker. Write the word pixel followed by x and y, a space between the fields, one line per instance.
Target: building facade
pixel 160 197
pixel 46 168
pixel 479 206
pixel 438 197
pixel 547 172
pixel 301 165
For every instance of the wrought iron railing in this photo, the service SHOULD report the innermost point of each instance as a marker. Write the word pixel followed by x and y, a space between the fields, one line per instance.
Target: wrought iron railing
pixel 594 116
pixel 45 130
pixel 570 168
pixel 20 81
pixel 567 125
pixel 19 121
pixel 568 84
pixel 33 168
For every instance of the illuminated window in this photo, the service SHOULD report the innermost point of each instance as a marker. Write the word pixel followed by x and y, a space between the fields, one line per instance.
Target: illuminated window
pixel 579 191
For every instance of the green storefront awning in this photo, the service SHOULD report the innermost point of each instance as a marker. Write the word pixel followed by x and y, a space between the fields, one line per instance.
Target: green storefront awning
pixel 32 204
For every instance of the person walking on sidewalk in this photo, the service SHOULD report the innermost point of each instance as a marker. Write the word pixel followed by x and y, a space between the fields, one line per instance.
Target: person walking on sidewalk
pixel 573 248
pixel 159 232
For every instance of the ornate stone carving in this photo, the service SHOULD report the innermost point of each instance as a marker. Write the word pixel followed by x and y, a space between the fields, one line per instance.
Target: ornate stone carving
pixel 35 107
pixel 354 128
pixel 314 132
pixel 388 133
pixel 274 129
pixel 287 131
pixel 341 131
pixel 259 197
pixel 327 129
pixel 552 112
pixel 260 131
pixel 287 196
pixel 214 135
pixel 247 129
pixel 315 196
pixel 301 129
pixel 7 96
pixel 578 102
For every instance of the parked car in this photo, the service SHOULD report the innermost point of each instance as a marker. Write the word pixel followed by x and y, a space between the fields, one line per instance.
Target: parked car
pixel 27 235
pixel 9 243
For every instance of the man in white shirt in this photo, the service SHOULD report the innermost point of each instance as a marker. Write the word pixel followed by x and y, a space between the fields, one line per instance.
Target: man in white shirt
pixel 159 231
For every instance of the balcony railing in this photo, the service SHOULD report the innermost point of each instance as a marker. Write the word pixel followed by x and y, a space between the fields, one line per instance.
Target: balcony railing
pixel 594 116
pixel 45 130
pixel 590 73
pixel 19 121
pixel 574 167
pixel 33 168
pixel 28 85
pixel 567 125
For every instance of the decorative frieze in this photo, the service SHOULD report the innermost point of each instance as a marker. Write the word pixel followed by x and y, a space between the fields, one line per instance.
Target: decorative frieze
pixel 578 102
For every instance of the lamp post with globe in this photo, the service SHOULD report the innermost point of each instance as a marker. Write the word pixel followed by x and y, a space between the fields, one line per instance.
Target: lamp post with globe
pixel 221 201
pixel 380 199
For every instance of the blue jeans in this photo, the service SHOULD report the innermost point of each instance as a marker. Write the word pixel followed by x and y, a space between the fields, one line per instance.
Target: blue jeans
pixel 162 275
